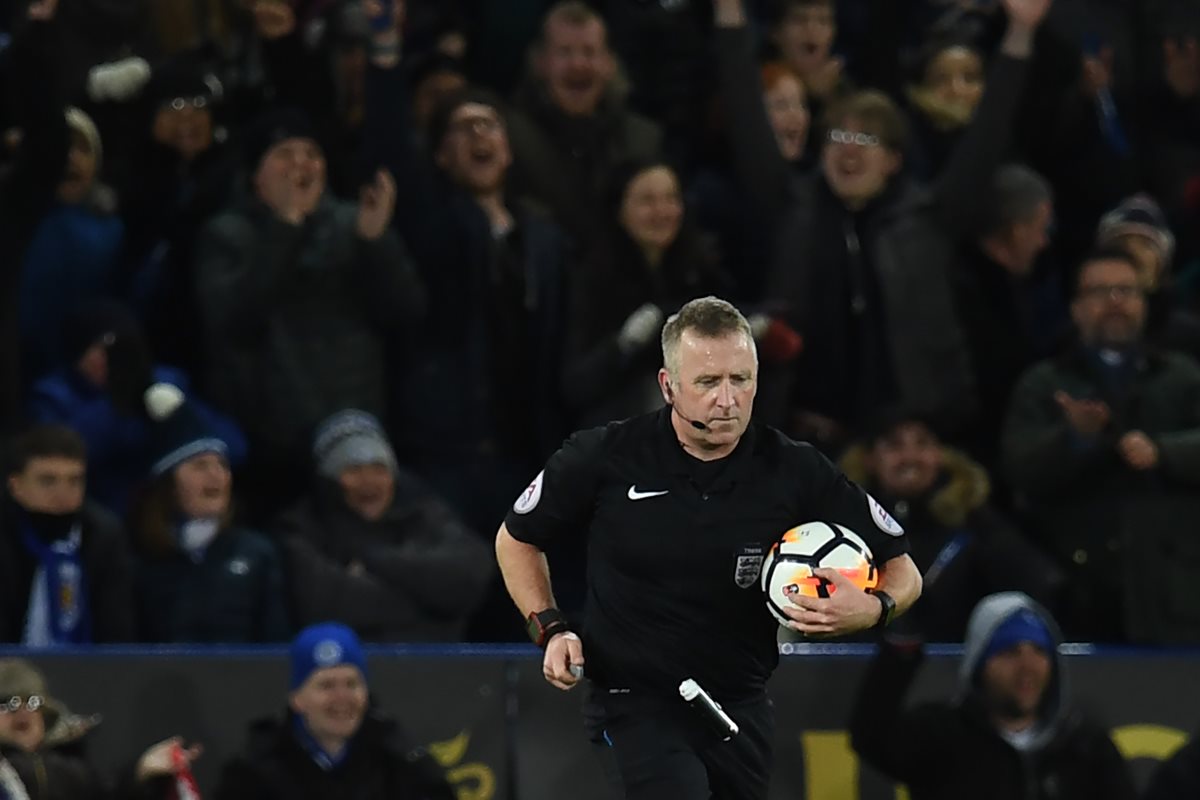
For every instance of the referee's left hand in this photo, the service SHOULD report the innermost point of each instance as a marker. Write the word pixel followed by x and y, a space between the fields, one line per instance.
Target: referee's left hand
pixel 847 610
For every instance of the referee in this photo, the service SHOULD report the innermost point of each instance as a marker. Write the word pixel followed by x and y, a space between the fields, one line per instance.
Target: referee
pixel 679 507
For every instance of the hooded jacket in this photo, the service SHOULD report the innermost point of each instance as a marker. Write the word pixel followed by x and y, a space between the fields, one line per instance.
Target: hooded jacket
pixel 950 749
pixel 380 763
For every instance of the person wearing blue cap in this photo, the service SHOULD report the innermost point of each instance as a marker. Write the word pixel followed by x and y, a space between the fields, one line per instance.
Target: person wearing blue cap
pixel 1010 731
pixel 331 742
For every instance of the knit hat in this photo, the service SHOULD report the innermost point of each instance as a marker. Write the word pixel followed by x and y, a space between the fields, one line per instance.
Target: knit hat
pixel 348 439
pixel 179 432
pixel 1141 216
pixel 271 128
pixel 185 76
pixel 1023 625
pixel 325 645
pixel 19 678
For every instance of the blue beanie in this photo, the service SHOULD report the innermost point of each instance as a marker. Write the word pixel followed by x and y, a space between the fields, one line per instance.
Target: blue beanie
pixel 329 644
pixel 1023 625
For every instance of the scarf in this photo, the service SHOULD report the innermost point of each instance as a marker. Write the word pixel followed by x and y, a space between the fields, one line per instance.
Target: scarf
pixel 58 611
pixel 324 759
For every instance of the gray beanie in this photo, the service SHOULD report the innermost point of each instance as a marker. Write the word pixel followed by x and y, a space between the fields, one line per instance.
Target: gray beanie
pixel 348 439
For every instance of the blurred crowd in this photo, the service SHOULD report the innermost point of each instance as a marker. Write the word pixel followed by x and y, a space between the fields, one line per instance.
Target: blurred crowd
pixel 298 295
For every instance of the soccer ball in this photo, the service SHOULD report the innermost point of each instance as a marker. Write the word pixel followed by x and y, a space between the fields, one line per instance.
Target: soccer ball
pixel 788 568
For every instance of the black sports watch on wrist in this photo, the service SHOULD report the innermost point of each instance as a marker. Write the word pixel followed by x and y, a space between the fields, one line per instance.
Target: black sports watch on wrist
pixel 887 612
pixel 542 625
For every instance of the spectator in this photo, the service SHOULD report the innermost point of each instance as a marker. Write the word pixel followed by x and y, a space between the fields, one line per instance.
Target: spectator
pixel 100 397
pixel 495 266
pixel 201 578
pixel 1179 775
pixel 571 125
pixel 1138 227
pixel 432 79
pixel 1012 311
pixel 183 173
pixel 65 573
pixel 1103 443
pixel 943 101
pixel 1011 731
pixel 746 215
pixel 331 741
pixel 46 746
pixel 804 34
pixel 1170 120
pixel 374 548
pixel 297 291
pixel 27 186
pixel 963 546
pixel 655 261
pixel 43 741
pixel 74 253
pixel 874 247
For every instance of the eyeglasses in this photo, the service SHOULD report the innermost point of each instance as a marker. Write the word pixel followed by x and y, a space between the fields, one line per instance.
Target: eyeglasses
pixel 1121 292
pixel 15 703
pixel 841 136
pixel 180 103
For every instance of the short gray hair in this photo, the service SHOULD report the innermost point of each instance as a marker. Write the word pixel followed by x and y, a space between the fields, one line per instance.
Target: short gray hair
pixel 710 317
pixel 1017 192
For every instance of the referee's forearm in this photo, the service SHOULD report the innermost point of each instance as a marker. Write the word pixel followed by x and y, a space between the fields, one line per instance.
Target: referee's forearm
pixel 901 579
pixel 526 573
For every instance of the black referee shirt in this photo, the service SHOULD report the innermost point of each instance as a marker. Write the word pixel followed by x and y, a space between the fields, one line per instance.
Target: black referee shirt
pixel 675 545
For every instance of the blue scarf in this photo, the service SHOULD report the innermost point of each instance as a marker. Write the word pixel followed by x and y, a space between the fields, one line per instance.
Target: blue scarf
pixel 323 758
pixel 58 609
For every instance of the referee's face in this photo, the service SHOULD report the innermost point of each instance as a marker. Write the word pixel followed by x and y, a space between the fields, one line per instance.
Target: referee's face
pixel 716 385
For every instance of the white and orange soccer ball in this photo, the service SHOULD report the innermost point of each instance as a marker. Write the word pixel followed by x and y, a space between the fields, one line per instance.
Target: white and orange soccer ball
pixel 788 568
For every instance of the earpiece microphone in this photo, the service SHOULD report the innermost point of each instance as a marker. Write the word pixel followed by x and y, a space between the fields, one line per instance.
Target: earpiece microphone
pixel 700 426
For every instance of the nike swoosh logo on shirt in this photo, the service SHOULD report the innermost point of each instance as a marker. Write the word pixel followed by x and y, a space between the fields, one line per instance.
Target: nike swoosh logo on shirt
pixel 634 494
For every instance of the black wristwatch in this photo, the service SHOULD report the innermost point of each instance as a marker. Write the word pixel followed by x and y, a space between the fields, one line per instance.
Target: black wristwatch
pixel 544 624
pixel 888 611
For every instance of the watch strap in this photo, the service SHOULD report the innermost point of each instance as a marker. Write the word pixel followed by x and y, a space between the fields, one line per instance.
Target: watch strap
pixel 542 625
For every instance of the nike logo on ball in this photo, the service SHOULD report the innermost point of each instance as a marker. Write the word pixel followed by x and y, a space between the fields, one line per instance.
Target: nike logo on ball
pixel 634 494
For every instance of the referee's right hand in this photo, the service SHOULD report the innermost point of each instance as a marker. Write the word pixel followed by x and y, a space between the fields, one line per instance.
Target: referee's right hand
pixel 563 651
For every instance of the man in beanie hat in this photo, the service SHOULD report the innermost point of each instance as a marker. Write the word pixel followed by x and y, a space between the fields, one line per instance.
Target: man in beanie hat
pixel 297 293
pixel 476 446
pixel 100 396
pixel 1138 227
pixel 331 742
pixel 375 548
pixel 65 573
pixel 185 173
pixel 1009 732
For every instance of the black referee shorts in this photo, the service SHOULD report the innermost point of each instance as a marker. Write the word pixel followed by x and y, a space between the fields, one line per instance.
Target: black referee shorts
pixel 653 750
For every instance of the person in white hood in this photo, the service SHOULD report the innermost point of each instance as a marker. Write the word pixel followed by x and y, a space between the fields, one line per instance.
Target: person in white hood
pixel 1009 734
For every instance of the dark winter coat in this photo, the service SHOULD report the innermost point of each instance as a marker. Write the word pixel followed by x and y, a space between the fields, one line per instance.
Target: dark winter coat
pixel 423 571
pixel 380 764
pixel 1108 525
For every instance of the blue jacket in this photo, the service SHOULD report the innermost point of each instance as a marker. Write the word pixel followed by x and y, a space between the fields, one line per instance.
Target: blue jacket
pixel 118 446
